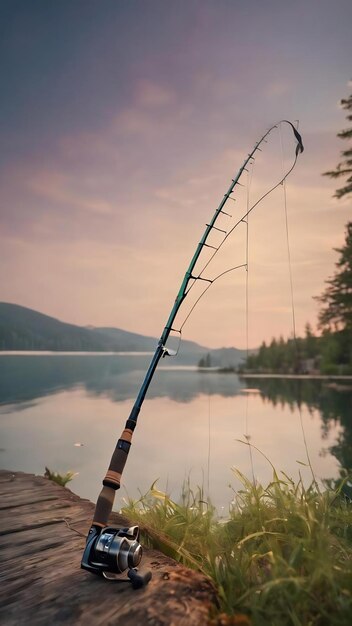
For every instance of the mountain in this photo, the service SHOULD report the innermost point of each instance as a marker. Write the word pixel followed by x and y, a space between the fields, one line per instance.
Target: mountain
pixel 25 329
pixel 227 357
pixel 22 328
pixel 140 343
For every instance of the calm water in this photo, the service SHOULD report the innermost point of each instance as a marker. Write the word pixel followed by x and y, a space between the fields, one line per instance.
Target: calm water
pixel 190 423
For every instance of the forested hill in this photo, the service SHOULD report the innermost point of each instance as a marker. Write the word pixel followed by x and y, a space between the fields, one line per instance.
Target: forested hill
pixel 25 329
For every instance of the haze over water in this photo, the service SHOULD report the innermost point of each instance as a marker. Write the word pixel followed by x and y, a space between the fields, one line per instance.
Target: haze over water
pixel 189 425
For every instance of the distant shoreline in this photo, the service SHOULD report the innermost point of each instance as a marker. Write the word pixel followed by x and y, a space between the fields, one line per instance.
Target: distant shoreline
pixel 208 370
pixel 224 370
pixel 300 376
pixel 70 353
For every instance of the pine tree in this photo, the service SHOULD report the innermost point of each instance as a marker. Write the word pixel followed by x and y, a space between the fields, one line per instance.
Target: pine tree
pixel 336 313
pixel 344 168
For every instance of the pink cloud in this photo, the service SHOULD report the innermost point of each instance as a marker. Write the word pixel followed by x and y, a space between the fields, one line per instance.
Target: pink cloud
pixel 58 188
pixel 153 95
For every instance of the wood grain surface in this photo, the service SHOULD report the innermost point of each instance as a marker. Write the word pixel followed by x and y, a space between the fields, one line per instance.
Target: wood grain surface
pixel 42 537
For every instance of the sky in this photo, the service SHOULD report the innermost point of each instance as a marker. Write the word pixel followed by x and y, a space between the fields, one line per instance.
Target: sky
pixel 122 124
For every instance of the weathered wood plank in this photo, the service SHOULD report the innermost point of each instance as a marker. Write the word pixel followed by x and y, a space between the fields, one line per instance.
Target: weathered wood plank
pixel 9 501
pixel 43 528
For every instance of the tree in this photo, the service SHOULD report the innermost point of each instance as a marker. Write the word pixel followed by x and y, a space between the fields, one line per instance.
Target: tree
pixel 336 313
pixel 310 343
pixel 344 168
pixel 205 361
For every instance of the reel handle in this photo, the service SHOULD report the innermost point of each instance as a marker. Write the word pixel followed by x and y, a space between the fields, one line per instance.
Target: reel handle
pixel 139 580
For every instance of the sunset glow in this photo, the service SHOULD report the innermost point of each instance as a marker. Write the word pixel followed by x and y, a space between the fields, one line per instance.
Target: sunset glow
pixel 122 125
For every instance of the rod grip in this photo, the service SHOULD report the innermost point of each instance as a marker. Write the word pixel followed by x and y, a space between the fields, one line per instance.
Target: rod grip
pixel 104 506
pixel 118 460
pixel 112 479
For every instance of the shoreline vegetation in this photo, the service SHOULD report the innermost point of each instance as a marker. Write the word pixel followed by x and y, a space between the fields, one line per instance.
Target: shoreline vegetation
pixel 328 356
pixel 248 374
pixel 283 555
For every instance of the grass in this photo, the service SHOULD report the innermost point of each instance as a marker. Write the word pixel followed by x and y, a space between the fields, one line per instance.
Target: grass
pixel 60 479
pixel 283 556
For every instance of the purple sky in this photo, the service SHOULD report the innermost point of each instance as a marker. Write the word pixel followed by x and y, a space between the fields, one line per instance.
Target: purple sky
pixel 122 124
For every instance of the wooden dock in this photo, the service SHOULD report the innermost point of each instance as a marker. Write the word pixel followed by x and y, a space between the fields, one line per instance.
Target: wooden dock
pixel 42 536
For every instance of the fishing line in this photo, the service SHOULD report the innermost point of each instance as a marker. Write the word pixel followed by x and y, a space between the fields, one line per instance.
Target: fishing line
pixel 245 219
pixel 247 265
pixel 239 221
pixel 211 282
pixel 293 313
pixel 103 542
pixel 288 238
pixel 247 435
pixel 242 219
pixel 209 439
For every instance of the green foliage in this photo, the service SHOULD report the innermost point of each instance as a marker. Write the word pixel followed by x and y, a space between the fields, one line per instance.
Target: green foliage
pixel 330 354
pixel 22 328
pixel 205 361
pixel 285 357
pixel 336 311
pixel 283 557
pixel 345 167
pixel 25 329
pixel 60 479
pixel 177 529
pixel 333 401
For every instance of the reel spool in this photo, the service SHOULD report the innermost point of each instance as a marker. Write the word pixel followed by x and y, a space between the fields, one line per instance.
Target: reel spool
pixel 110 551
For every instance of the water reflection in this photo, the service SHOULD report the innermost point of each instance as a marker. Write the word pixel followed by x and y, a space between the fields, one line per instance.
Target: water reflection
pixel 333 400
pixel 50 402
pixel 26 378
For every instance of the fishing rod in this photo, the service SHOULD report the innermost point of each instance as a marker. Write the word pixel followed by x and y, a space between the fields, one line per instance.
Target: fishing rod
pixel 110 550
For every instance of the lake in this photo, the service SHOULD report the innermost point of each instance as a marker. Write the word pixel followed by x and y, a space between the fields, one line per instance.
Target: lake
pixel 67 411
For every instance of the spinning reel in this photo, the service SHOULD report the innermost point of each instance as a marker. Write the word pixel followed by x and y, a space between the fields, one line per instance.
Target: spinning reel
pixel 110 551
